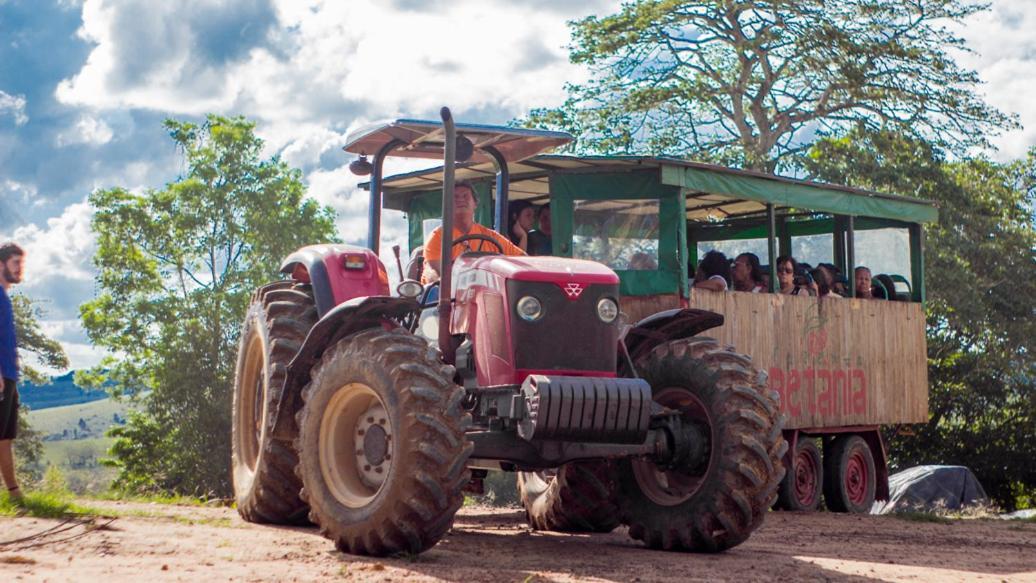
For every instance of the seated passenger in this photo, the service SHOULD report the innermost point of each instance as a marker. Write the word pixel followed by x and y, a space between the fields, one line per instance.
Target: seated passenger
pixel 464 203
pixel 520 214
pixel 790 278
pixel 834 276
pixel 748 274
pixel 862 277
pixel 540 242
pixel 713 272
pixel 642 262
pixel 824 282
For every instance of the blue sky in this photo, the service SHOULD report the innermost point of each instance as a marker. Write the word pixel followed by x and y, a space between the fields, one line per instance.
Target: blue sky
pixel 85 84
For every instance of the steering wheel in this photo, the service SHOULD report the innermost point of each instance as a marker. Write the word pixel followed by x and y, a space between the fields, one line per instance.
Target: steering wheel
pixel 499 247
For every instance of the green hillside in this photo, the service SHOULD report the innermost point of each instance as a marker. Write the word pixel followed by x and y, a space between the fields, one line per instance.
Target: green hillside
pixel 84 421
pixel 61 391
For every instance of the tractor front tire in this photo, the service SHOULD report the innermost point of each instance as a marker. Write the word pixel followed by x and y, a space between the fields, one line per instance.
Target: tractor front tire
pixel 716 508
pixel 382 450
pixel 265 486
pixel 577 497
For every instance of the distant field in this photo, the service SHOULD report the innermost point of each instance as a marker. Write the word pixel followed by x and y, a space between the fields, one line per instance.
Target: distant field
pixel 64 422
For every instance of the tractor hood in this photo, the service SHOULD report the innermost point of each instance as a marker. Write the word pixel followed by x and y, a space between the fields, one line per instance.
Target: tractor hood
pixel 558 270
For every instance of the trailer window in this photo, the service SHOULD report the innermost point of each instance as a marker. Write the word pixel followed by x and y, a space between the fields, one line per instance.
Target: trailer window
pixel 884 251
pixel 735 247
pixel 813 249
pixel 620 233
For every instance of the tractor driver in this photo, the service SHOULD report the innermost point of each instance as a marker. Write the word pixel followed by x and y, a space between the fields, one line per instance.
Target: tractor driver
pixel 464 202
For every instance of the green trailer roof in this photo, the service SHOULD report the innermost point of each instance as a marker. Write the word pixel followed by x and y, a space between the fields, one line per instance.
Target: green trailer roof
pixel 713 192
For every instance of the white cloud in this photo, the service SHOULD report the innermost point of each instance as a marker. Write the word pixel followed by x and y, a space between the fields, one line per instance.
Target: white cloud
pixel 60 251
pixel 1005 57
pixel 13 105
pixel 87 130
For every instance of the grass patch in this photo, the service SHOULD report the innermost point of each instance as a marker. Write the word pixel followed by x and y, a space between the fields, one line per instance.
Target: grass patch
pixel 45 505
pixel 157 498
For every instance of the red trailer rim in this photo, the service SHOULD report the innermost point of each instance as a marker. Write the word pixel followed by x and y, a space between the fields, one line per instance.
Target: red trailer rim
pixel 805 478
pixel 856 478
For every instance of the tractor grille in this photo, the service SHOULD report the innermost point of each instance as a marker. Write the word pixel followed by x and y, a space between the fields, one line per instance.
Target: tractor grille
pixel 569 336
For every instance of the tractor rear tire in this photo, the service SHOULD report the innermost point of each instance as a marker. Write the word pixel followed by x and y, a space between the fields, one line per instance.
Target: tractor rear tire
pixel 804 482
pixel 850 481
pixel 577 497
pixel 382 449
pixel 721 506
pixel 265 486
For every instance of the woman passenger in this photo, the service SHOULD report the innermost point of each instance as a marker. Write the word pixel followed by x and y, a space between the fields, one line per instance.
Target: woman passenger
pixel 787 269
pixel 748 274
pixel 713 272
pixel 520 216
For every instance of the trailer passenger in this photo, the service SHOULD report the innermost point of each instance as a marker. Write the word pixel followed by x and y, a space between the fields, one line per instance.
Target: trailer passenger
pixel 520 216
pixel 540 242
pixel 863 283
pixel 713 272
pixel 464 202
pixel 748 274
pixel 790 278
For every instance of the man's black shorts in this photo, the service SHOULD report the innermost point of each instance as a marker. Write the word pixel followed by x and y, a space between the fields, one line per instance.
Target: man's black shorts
pixel 9 411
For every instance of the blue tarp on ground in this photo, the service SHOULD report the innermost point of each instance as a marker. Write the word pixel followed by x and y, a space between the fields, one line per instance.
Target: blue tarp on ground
pixel 928 488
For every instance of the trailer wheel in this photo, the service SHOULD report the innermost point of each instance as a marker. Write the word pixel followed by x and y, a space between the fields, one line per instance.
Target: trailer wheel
pixel 577 497
pixel 265 486
pixel 851 479
pixel 382 451
pixel 721 506
pixel 804 481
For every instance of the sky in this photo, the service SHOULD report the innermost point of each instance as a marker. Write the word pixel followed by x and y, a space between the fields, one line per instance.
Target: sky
pixel 85 85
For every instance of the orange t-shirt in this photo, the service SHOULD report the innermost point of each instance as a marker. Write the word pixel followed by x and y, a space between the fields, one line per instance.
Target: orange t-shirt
pixel 433 246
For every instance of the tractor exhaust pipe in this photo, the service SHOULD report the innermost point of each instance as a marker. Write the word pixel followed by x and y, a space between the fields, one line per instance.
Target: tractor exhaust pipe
pixel 399 263
pixel 446 277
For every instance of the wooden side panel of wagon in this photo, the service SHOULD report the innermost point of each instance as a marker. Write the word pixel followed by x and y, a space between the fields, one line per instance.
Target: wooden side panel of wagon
pixel 834 362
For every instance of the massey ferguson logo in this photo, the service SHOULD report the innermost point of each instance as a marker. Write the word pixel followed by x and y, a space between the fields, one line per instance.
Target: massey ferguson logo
pixel 573 290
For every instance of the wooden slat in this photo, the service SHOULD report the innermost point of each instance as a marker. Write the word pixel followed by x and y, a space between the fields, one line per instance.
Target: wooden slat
pixel 834 362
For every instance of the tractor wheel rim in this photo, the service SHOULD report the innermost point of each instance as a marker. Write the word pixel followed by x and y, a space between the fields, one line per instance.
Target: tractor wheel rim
pixel 856 478
pixel 805 479
pixel 252 402
pixel 355 445
pixel 670 487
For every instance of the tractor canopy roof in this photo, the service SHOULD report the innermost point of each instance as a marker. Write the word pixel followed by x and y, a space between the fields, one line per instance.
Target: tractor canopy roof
pixel 424 139
pixel 713 193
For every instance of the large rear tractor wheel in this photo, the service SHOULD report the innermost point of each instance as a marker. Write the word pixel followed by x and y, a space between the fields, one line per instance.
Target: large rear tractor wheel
pixel 718 504
pixel 802 484
pixel 265 485
pixel 577 497
pixel 851 480
pixel 382 451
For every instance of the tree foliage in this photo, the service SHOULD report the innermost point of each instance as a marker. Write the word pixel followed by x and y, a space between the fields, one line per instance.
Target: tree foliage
pixel 980 265
pixel 748 83
pixel 176 268
pixel 35 347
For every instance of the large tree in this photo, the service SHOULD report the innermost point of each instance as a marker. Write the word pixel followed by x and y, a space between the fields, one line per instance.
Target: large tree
pixel 980 265
pixel 176 268
pixel 750 83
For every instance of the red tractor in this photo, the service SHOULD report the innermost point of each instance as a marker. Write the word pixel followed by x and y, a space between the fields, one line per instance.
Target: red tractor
pixel 368 412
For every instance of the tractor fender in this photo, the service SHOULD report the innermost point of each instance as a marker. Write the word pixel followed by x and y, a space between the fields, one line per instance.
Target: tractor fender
pixel 664 326
pixel 321 267
pixel 342 320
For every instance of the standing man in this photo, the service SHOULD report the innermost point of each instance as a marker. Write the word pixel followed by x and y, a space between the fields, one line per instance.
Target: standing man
pixel 11 257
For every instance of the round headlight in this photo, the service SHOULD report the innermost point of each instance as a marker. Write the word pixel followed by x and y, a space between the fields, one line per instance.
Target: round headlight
pixel 529 309
pixel 607 310
pixel 409 288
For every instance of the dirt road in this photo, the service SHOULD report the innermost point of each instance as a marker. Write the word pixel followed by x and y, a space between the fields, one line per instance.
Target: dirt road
pixel 154 543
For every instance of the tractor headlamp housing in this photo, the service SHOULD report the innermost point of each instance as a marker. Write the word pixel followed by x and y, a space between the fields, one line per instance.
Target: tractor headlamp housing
pixel 607 310
pixel 529 309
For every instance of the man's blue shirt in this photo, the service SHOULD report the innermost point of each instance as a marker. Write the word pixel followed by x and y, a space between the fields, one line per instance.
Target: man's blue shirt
pixel 8 341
